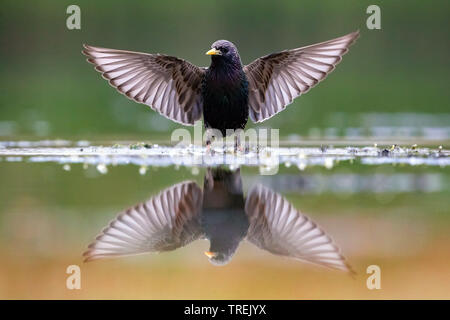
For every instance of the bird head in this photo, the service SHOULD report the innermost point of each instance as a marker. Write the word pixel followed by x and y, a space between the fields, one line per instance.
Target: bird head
pixel 219 258
pixel 223 50
pixel 224 246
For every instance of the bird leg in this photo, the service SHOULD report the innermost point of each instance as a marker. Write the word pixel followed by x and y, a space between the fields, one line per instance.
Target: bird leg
pixel 237 143
pixel 209 139
pixel 209 180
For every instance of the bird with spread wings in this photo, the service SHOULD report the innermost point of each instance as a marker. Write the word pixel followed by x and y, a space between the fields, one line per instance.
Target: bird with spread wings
pixel 227 92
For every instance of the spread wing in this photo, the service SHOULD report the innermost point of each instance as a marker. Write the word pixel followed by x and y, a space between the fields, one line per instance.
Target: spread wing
pixel 276 226
pixel 167 84
pixel 277 79
pixel 165 222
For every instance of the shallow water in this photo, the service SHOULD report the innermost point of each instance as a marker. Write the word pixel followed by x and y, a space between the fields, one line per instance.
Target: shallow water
pixel 337 210
pixel 143 154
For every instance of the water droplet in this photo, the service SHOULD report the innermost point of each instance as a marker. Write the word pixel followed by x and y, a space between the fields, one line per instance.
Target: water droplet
pixel 302 166
pixel 143 170
pixel 328 163
pixel 102 168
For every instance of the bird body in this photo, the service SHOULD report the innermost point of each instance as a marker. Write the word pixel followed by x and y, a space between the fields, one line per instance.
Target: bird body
pixel 226 93
pixel 225 97
pixel 223 219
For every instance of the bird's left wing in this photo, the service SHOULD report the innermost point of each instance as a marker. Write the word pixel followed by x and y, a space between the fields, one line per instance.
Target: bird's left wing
pixel 277 79
pixel 167 84
pixel 165 222
pixel 276 226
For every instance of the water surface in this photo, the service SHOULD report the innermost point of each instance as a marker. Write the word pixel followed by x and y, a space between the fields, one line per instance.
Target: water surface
pixel 308 231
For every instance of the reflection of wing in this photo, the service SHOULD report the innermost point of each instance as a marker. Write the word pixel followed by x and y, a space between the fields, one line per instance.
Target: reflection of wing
pixel 276 226
pixel 165 222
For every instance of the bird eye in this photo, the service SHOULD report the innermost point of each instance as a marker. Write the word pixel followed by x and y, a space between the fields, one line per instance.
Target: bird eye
pixel 224 50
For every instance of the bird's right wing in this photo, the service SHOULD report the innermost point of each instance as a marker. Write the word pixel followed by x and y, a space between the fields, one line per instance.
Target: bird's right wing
pixel 276 226
pixel 165 222
pixel 167 84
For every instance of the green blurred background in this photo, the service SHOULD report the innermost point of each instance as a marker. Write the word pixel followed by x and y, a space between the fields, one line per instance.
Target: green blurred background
pixel 48 89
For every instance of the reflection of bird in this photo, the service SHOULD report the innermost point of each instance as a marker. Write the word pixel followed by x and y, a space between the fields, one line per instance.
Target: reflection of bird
pixel 226 93
pixel 184 213
pixel 223 218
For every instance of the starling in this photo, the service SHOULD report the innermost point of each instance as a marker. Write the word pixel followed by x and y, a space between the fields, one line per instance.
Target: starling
pixel 184 213
pixel 226 93
pixel 223 219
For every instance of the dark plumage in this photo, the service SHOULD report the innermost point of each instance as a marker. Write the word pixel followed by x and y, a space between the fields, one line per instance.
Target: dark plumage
pixel 226 93
pixel 223 219
pixel 225 89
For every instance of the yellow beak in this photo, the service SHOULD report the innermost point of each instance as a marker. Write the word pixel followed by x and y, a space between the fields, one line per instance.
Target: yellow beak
pixel 213 52
pixel 210 254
